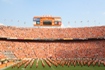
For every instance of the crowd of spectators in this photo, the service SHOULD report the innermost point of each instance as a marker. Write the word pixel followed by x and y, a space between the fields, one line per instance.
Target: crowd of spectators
pixel 74 49
pixel 84 49
pixel 85 32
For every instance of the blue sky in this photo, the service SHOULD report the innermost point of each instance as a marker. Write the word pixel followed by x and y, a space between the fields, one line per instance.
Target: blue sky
pixel 72 11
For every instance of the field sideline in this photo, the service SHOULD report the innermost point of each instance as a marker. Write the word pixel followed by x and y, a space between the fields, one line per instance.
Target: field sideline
pixel 71 67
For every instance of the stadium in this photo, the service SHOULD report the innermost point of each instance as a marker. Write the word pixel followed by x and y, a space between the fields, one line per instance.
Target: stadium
pixel 48 46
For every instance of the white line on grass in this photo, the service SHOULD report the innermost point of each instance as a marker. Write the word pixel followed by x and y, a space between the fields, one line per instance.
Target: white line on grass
pixel 52 68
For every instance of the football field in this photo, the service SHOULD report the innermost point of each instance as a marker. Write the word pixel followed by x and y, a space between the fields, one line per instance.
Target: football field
pixel 59 67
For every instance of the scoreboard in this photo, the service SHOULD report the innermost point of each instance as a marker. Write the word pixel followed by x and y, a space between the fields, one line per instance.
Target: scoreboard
pixel 47 21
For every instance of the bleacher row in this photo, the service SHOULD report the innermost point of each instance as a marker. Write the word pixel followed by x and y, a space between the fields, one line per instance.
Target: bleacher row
pixel 59 62
pixel 75 49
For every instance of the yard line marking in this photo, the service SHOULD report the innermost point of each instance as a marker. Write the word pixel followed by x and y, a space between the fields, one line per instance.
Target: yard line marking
pixel 52 68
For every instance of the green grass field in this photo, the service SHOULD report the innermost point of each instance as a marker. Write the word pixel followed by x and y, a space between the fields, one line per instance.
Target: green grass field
pixel 71 67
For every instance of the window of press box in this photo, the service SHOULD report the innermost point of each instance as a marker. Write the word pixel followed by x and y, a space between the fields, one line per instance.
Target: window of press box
pixel 37 22
pixel 57 22
pixel 36 19
pixel 47 22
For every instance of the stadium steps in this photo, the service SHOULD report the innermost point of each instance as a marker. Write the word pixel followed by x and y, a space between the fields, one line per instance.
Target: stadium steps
pixel 9 54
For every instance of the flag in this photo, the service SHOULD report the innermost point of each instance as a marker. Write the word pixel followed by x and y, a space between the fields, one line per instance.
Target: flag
pixel 68 22
pixel 4 19
pixel 11 20
pixel 75 21
pixel 24 22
